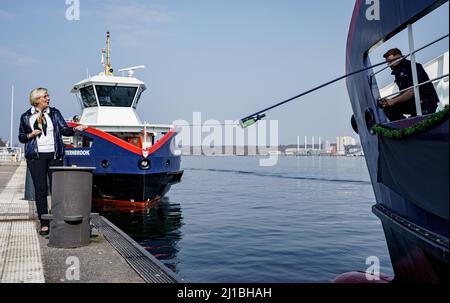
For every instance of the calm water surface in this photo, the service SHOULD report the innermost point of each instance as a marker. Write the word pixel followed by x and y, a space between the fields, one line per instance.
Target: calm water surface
pixel 307 219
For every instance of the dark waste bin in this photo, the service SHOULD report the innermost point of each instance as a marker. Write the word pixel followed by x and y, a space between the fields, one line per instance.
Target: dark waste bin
pixel 71 206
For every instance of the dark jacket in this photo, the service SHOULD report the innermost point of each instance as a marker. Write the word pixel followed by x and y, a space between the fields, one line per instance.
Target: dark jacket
pixel 404 79
pixel 60 129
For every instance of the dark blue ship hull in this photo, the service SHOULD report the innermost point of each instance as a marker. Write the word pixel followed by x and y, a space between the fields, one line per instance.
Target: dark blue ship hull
pixel 125 173
pixel 410 177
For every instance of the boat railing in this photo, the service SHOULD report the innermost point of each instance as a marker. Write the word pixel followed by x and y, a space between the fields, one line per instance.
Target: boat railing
pixel 141 135
pixel 412 54
pixel 414 86
pixel 409 54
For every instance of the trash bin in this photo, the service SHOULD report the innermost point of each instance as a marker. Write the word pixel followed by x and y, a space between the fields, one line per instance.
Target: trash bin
pixel 71 207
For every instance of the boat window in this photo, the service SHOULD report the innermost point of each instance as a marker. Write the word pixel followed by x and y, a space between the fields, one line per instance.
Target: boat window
pixel 120 96
pixel 434 58
pixel 141 89
pixel 88 96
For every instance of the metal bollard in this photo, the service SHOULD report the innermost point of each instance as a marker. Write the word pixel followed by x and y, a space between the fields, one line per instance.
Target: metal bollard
pixel 71 207
pixel 29 187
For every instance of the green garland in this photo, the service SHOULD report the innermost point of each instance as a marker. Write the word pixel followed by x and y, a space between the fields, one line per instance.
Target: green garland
pixel 419 128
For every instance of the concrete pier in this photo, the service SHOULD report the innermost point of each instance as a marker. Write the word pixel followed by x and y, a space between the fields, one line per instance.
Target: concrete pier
pixel 20 254
pixel 26 258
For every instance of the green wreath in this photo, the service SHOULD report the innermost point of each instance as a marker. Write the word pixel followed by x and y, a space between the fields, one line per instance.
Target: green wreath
pixel 419 128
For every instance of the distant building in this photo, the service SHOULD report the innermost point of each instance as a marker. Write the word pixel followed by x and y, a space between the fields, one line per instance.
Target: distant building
pixel 291 151
pixel 332 149
pixel 275 153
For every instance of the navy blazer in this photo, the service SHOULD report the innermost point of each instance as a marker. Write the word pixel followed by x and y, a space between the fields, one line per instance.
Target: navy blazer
pixel 60 128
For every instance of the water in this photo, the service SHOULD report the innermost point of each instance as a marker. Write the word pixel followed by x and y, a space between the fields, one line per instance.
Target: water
pixel 307 219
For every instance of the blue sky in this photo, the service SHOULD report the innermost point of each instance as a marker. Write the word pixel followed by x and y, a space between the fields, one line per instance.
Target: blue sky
pixel 226 59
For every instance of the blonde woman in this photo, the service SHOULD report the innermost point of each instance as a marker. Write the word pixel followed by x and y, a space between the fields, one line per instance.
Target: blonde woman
pixel 41 130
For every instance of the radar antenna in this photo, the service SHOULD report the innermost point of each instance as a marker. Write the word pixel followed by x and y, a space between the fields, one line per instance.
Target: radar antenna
pixel 131 70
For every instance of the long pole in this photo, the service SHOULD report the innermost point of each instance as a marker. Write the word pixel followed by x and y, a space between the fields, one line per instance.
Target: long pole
pixel 412 52
pixel 108 67
pixel 12 110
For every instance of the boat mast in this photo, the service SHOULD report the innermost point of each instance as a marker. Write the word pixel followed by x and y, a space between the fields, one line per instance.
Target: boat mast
pixel 108 67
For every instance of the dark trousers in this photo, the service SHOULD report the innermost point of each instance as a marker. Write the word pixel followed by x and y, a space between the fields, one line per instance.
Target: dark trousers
pixel 39 169
pixel 397 111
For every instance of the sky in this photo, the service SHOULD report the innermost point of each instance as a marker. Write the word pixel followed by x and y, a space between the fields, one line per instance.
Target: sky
pixel 225 59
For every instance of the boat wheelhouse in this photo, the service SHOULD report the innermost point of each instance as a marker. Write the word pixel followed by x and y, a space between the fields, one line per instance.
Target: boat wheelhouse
pixel 135 163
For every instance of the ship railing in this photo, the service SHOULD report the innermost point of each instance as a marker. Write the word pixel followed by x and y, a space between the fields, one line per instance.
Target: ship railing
pixel 418 85
pixel 412 55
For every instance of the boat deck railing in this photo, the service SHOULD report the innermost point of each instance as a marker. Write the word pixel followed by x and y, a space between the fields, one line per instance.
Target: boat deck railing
pixel 416 84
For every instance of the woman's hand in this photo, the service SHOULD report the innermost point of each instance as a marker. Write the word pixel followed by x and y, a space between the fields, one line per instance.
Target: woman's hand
pixel 34 133
pixel 80 128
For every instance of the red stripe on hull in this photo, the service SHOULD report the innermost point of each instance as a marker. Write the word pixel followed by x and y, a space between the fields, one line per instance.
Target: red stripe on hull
pixel 124 144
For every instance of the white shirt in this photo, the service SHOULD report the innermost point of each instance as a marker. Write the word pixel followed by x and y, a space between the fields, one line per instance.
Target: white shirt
pixel 46 143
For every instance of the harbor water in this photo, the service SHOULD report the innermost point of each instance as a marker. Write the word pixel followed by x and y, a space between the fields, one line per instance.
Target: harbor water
pixel 306 219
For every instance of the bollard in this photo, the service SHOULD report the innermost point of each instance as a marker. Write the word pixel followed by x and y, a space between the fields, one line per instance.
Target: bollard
pixel 29 187
pixel 71 207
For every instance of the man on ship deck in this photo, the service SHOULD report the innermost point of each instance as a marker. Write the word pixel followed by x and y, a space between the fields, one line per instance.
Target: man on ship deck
pixel 395 108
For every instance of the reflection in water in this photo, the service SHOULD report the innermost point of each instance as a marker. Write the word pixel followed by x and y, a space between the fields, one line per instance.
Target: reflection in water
pixel 156 228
